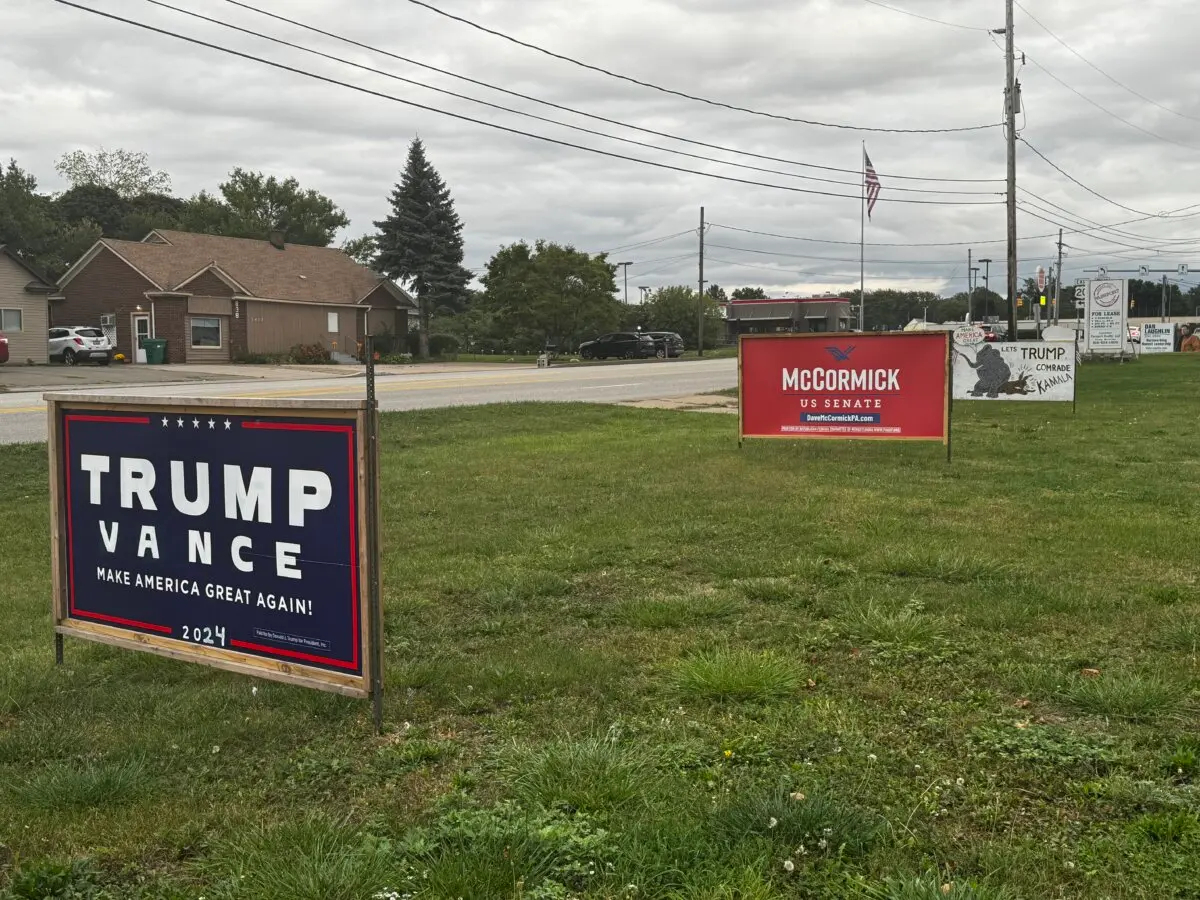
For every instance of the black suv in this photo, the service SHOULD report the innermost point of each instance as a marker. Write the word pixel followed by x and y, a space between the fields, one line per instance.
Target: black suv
pixel 666 343
pixel 620 344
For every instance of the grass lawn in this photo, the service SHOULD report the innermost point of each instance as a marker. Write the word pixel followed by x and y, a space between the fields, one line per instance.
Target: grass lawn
pixel 626 659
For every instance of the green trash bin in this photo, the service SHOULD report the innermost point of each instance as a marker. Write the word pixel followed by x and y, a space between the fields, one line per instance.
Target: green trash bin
pixel 156 351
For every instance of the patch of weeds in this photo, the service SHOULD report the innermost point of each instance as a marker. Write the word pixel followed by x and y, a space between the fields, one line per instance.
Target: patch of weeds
pixel 1166 827
pixel 737 675
pixel 1126 794
pixel 312 859
pixel 932 886
pixel 1184 762
pixel 673 612
pixel 412 754
pixel 1182 635
pixel 85 785
pixel 592 775
pixel 907 628
pixel 504 851
pixel 1046 745
pixel 47 880
pixel 517 592
pixel 948 569
pixel 748 883
pixel 827 571
pixel 797 823
pixel 768 590
pixel 1125 695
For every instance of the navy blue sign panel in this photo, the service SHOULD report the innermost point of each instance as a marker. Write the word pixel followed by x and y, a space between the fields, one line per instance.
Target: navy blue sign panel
pixel 238 533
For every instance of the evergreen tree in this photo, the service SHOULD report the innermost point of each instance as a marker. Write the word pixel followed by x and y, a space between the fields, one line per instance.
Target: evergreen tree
pixel 421 244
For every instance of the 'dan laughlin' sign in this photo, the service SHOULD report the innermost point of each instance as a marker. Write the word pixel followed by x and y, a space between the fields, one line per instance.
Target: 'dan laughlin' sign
pixel 229 533
pixel 873 386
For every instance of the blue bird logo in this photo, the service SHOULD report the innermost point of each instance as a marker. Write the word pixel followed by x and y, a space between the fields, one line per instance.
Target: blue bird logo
pixel 839 354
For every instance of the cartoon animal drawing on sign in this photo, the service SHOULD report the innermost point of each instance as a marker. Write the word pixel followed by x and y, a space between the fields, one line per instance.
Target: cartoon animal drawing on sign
pixel 994 377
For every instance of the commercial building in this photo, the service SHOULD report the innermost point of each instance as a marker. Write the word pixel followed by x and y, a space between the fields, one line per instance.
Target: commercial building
pixel 794 315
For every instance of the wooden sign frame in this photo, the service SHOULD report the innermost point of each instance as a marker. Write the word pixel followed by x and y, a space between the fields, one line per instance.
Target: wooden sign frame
pixel 359 413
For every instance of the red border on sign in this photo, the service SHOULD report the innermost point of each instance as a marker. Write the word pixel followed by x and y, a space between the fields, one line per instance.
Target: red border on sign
pixel 945 366
pixel 75 611
pixel 295 654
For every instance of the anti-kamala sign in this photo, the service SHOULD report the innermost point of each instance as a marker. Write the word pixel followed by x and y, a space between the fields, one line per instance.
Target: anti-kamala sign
pixel 225 535
pixel 877 386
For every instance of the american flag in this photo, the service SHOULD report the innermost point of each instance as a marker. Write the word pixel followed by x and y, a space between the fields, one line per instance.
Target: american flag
pixel 871 180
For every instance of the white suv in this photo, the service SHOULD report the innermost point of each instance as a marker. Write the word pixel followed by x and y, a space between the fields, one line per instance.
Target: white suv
pixel 77 343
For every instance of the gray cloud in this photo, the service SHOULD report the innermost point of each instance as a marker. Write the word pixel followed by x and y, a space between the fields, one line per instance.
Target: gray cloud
pixel 70 80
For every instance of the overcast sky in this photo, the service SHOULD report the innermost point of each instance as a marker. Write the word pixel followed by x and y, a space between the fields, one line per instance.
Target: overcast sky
pixel 69 79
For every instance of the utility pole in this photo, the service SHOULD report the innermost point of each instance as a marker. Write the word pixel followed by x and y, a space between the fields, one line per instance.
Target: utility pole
pixel 970 288
pixel 625 266
pixel 1163 308
pixel 700 299
pixel 1011 100
pixel 1058 280
pixel 987 297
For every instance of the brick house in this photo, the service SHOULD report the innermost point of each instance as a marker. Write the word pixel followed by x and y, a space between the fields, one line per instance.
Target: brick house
pixel 24 310
pixel 220 299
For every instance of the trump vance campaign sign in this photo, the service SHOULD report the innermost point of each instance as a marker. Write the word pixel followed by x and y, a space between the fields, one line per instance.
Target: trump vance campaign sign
pixel 226 532
pixel 843 385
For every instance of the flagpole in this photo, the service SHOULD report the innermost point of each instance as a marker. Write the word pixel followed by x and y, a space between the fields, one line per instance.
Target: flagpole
pixel 862 243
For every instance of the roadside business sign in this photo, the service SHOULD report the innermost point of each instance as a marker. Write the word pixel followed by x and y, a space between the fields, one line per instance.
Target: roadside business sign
pixel 232 533
pixel 1107 312
pixel 1030 370
pixel 893 386
pixel 1158 337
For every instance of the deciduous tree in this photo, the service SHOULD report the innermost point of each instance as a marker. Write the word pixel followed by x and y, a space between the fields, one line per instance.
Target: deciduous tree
pixel 124 171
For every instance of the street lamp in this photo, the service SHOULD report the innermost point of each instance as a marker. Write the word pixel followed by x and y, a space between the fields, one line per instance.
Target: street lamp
pixel 645 289
pixel 626 266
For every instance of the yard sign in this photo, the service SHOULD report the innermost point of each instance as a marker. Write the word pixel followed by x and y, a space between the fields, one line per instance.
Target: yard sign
pixel 232 533
pixel 1030 370
pixel 867 386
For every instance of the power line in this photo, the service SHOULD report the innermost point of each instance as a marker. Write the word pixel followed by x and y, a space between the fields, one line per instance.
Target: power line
pixel 906 12
pixel 647 243
pixel 505 128
pixel 1106 110
pixel 697 99
pixel 1079 183
pixel 529 115
pixel 886 262
pixel 579 112
pixel 1076 53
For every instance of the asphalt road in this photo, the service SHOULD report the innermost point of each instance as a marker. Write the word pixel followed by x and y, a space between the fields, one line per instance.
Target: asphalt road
pixel 23 415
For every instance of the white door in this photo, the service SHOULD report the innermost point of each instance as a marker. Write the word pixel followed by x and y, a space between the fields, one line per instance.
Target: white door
pixel 141 329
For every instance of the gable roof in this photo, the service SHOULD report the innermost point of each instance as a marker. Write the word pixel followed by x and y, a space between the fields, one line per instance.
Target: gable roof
pixel 40 283
pixel 298 273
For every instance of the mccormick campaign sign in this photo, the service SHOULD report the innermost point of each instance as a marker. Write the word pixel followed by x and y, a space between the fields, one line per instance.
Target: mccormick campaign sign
pixel 228 532
pixel 1032 370
pixel 842 385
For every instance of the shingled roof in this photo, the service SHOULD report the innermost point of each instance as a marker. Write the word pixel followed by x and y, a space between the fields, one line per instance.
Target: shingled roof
pixel 297 272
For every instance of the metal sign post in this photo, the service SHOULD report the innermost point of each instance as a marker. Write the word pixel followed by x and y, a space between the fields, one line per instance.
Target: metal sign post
pixel 374 601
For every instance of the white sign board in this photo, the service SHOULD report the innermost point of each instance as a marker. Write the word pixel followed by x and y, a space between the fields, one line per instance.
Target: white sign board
pixel 1080 292
pixel 1107 311
pixel 1158 337
pixel 1031 370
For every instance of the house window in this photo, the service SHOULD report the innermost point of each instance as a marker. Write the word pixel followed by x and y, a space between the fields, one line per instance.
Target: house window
pixel 332 323
pixel 206 332
pixel 10 320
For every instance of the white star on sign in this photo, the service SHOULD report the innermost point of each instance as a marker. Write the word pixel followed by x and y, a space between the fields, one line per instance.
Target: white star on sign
pixel 226 424
pixel 211 424
pixel 166 421
pixel 180 423
pixel 195 423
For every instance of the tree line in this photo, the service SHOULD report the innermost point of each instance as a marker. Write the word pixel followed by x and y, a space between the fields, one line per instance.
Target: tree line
pixel 529 295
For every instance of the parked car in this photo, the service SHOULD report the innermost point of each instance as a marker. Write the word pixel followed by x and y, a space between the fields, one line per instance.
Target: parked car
pixel 3 348
pixel 666 344
pixel 621 345
pixel 78 343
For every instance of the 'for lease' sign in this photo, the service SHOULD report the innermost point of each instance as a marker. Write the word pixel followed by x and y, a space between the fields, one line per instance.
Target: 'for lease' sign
pixel 875 386
pixel 221 533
